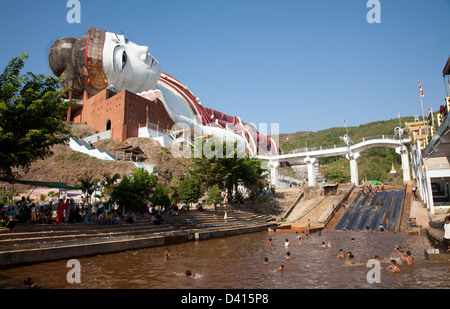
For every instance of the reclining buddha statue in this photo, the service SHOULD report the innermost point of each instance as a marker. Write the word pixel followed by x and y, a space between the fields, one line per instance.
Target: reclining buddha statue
pixel 102 60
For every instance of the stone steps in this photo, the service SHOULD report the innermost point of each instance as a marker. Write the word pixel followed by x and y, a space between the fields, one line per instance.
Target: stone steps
pixel 28 236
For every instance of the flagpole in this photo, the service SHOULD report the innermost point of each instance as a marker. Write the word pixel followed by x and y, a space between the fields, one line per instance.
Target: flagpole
pixel 421 104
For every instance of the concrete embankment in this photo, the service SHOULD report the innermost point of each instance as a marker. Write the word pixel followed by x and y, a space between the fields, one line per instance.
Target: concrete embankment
pixel 30 244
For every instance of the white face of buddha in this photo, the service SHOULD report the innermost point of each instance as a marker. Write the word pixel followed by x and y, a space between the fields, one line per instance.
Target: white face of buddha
pixel 128 66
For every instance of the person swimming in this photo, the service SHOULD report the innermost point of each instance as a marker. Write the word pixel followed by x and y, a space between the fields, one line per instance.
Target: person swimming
pixel 393 267
pixel 351 260
pixel 408 258
pixel 286 243
pixel 31 285
pixel 187 273
pixel 166 255
pixel 288 256
pixel 341 254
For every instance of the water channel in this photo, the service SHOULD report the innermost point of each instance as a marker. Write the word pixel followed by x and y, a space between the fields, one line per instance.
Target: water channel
pixel 237 262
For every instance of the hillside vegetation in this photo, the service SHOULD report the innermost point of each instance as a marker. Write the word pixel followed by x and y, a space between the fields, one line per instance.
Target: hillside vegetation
pixel 373 164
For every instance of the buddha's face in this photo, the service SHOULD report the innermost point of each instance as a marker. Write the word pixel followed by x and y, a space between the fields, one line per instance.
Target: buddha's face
pixel 128 66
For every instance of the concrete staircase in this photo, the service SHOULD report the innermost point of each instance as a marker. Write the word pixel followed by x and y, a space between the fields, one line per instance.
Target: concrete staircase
pixel 42 242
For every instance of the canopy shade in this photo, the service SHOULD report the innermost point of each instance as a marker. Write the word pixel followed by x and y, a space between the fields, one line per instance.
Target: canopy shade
pixel 446 70
pixel 60 185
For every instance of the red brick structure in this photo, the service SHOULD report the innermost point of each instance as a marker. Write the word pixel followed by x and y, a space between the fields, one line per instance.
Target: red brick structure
pixel 122 113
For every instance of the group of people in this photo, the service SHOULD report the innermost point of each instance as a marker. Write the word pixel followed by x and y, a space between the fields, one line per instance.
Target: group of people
pixel 64 212
pixel 24 211
pixel 404 257
pixel 367 188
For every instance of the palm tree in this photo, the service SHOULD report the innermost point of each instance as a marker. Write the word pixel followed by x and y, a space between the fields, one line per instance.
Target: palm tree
pixel 87 185
pixel 108 184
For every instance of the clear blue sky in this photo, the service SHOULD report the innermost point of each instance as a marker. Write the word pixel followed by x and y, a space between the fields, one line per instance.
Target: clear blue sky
pixel 306 65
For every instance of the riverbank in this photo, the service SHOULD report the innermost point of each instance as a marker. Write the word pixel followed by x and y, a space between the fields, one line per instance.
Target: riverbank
pixel 38 243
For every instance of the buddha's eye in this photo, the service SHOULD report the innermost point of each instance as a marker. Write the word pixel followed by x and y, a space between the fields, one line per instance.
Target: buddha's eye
pixel 124 59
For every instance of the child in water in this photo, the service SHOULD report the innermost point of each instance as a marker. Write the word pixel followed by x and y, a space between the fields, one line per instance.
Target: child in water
pixel 350 260
pixel 188 274
pixel 166 255
pixel 393 267
pixel 286 243
pixel 408 258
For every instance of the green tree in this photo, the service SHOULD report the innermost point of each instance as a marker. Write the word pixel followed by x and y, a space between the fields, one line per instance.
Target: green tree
pixel 30 110
pixel 160 196
pixel 133 191
pixel 173 190
pixel 213 197
pixel 88 185
pixel 227 168
pixel 336 176
pixel 189 190
pixel 108 184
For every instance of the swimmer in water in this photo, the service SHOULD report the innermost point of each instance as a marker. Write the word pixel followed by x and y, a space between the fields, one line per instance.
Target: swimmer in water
pixel 286 243
pixel 288 256
pixel 323 245
pixel 299 240
pixel 270 242
pixel 408 258
pixel 350 260
pixel 266 261
pixel 30 284
pixel 341 254
pixel 281 268
pixel 399 251
pixel 393 267
pixel 166 255
pixel 377 259
pixel 188 274
pixel 353 240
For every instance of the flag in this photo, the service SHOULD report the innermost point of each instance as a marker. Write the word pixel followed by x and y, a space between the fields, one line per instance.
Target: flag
pixel 398 114
pixel 345 123
pixel 421 90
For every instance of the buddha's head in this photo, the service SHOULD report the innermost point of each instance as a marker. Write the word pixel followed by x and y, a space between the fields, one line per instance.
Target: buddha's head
pixel 101 59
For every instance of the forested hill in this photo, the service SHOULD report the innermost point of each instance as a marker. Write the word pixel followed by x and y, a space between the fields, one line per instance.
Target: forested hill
pixel 330 137
pixel 373 164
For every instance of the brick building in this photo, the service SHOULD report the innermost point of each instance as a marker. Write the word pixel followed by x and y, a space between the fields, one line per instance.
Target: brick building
pixel 122 113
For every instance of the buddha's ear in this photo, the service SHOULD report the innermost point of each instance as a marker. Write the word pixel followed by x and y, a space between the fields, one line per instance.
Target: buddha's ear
pixel 60 57
pixel 67 60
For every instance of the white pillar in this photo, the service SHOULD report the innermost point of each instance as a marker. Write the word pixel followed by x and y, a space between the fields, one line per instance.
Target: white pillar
pixel 352 156
pixel 429 194
pixel 403 152
pixel 311 170
pixel 273 165
pixel 421 184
